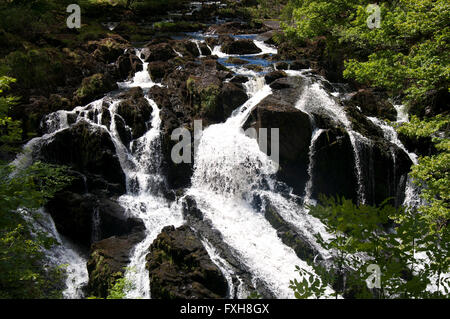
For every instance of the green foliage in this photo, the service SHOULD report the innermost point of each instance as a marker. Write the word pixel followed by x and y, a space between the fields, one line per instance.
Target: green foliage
pixel 432 172
pixel 90 86
pixel 393 239
pixel 120 288
pixel 166 26
pixel 35 68
pixel 309 287
pixel 408 55
pixel 23 272
pixel 10 130
pixel 254 295
pixel 155 6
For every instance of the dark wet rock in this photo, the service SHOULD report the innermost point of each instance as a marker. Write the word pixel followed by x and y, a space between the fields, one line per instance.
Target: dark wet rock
pixel 361 124
pixel 333 170
pixel 86 217
pixel 106 116
pixel 275 75
pixel 158 52
pixel 136 111
pixel 187 47
pixel 233 60
pixel 93 88
pixel 108 260
pixel 172 117
pixel 384 167
pixel 158 70
pixel 241 47
pixel 239 79
pixel 254 67
pixel 87 149
pixel 190 209
pixel 300 64
pixel 373 104
pixel 422 146
pixel 180 267
pixel 277 111
pixel 123 130
pixel 232 96
pixel 281 83
pixel 205 50
pixel 72 214
pixel 282 66
pixel 114 221
pixel 128 64
pixel 228 28
pixel 107 49
pixel 39 106
pixel 290 236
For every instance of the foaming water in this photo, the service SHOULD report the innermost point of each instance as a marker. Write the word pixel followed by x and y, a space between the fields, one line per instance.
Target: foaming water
pixel 229 168
pixel 316 99
pixel 65 254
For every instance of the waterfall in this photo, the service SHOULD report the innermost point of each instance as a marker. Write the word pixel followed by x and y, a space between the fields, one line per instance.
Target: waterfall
pixel 230 172
pixel 229 167
pixel 197 43
pixel 65 253
pixel 315 99
pixel 312 151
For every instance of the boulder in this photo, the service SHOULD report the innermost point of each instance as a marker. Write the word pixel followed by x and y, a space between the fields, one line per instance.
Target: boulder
pixel 300 64
pixel 231 97
pixel 180 267
pixel 241 47
pixel 373 103
pixel 205 50
pixel 158 69
pixel 239 79
pixel 88 217
pixel 107 49
pixel 108 260
pixel 289 236
pixel 333 172
pixel 114 221
pixel 87 149
pixel 94 87
pixel 282 65
pixel 277 112
pixel 158 52
pixel 136 111
pixel 123 130
pixel 172 117
pixel 275 75
pixel 73 215
pixel 128 64
pixel 385 167
pixel 32 113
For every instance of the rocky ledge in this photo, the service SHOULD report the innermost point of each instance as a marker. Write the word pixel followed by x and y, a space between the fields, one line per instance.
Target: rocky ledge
pixel 180 267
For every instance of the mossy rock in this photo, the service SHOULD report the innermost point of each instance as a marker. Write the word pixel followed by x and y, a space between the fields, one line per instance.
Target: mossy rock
pixel 179 267
pixel 94 87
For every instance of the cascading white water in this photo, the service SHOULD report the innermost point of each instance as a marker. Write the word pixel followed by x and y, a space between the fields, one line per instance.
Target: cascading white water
pixel 312 151
pixel 230 169
pixel 64 254
pixel 240 292
pixel 229 166
pixel 315 98
pixel 147 203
